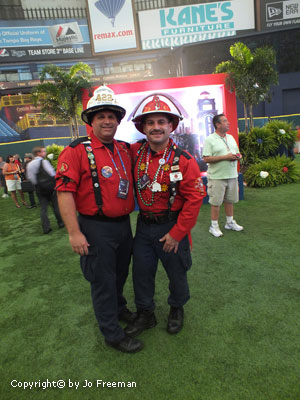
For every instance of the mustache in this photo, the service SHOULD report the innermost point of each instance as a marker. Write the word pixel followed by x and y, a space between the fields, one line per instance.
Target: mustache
pixel 154 131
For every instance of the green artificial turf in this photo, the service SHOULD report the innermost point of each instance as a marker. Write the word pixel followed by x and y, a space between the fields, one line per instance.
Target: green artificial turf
pixel 241 335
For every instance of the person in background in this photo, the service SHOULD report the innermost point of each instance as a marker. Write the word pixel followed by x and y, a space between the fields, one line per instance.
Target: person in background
pixel 18 160
pixel 2 179
pixel 27 159
pixel 11 171
pixel 221 152
pixel 32 168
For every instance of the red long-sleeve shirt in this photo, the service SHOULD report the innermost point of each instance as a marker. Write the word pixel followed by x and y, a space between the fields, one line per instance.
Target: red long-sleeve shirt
pixel 190 190
pixel 73 163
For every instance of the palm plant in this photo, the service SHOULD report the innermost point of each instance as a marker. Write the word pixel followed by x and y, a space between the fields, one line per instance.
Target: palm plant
pixel 61 96
pixel 250 75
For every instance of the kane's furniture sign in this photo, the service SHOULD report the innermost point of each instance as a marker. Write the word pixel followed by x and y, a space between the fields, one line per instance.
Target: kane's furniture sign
pixel 176 26
pixel 112 25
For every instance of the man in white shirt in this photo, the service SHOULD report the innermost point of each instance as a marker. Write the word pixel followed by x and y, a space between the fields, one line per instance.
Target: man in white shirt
pixel 32 171
pixel 221 152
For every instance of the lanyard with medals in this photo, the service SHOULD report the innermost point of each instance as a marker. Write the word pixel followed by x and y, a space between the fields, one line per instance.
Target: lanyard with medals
pixel 144 181
pixel 124 183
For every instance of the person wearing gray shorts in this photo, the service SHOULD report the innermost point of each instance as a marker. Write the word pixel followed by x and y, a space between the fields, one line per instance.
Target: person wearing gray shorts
pixel 221 152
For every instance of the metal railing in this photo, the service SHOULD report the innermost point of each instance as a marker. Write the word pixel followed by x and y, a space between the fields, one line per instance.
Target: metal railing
pixel 54 13
pixel 15 100
pixel 35 120
pixel 17 12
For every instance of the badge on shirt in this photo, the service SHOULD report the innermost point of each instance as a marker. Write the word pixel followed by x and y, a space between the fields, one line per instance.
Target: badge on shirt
pixel 107 171
pixel 199 185
pixel 64 167
pixel 144 181
pixel 123 189
pixel 175 176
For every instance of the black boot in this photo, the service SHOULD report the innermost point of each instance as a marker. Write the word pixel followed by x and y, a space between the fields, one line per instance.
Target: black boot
pixel 175 320
pixel 127 345
pixel 127 316
pixel 145 320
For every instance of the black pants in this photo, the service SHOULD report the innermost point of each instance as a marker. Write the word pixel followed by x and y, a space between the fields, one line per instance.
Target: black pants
pixel 106 268
pixel 3 183
pixel 45 200
pixel 147 250
pixel 31 198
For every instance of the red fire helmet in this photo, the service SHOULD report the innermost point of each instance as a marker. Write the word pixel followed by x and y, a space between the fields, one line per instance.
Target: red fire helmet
pixel 156 103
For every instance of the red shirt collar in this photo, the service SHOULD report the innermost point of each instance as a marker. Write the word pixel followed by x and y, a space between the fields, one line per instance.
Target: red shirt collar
pixel 96 142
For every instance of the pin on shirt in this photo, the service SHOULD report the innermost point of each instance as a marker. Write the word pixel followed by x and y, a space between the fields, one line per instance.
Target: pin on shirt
pixel 175 176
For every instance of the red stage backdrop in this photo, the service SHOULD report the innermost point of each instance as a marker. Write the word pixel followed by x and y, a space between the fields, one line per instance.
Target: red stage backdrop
pixel 201 96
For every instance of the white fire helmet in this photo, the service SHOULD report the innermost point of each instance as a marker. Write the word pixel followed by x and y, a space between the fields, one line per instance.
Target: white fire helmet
pixel 157 103
pixel 103 98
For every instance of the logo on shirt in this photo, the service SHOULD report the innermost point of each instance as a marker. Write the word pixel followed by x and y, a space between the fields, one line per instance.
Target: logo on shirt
pixel 64 167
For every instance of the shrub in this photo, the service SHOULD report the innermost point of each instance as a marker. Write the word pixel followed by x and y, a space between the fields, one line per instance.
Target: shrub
pixel 283 132
pixel 262 142
pixel 272 172
pixel 53 152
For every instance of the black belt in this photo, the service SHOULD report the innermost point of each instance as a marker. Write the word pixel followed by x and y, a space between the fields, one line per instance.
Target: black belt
pixel 158 218
pixel 98 217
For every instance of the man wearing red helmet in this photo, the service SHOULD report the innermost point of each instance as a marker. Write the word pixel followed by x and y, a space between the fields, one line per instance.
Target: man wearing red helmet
pixel 94 179
pixel 169 192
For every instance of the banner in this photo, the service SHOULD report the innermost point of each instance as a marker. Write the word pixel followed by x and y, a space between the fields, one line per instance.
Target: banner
pixel 176 26
pixel 277 15
pixel 112 25
pixel 43 42
pixel 201 96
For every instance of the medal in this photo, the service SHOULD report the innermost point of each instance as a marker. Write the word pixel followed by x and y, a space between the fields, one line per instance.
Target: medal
pixel 88 148
pixel 91 156
pixel 142 166
pixel 175 176
pixel 164 187
pixel 166 167
pixel 155 187
pixel 107 171
pixel 161 161
pixel 144 181
pixel 175 168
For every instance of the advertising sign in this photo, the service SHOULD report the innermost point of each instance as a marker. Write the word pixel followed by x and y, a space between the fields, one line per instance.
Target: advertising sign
pixel 276 15
pixel 42 42
pixel 112 25
pixel 201 97
pixel 176 26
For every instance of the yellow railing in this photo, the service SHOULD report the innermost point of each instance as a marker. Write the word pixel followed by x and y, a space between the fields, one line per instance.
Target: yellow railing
pixel 35 121
pixel 15 100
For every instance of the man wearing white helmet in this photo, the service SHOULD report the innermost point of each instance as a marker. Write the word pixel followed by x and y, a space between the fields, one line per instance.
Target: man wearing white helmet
pixel 94 179
pixel 169 192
